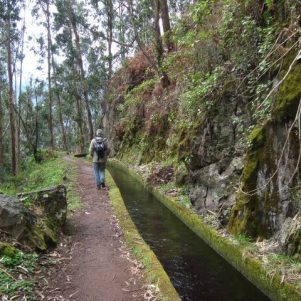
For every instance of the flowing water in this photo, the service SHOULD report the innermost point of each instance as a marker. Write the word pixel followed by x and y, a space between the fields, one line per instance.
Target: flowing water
pixel 196 271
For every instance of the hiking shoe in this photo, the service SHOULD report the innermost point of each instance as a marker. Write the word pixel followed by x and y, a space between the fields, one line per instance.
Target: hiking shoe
pixel 104 186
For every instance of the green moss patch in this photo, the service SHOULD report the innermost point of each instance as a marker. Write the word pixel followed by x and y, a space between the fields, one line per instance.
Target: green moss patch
pixel 272 285
pixel 289 95
pixel 7 250
pixel 153 269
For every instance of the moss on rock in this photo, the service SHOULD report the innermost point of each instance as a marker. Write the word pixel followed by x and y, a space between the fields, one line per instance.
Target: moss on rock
pixel 259 202
pixel 7 250
pixel 289 95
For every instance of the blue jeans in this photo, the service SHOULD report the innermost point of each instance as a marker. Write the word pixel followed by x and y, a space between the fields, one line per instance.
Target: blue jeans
pixel 99 172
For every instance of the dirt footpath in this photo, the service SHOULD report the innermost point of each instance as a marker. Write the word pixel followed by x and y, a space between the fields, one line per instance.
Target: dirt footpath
pixel 96 265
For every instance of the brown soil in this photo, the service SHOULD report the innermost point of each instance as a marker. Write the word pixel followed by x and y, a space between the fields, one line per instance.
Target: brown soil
pixel 161 175
pixel 93 263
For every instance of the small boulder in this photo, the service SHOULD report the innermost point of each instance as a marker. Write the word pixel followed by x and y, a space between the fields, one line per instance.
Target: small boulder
pixel 34 219
pixel 50 203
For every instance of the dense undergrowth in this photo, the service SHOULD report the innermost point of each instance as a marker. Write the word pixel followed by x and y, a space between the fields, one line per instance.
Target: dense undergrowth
pixel 34 176
pixel 228 53
pixel 18 266
pixel 229 59
pixel 16 269
pixel 225 76
pixel 53 170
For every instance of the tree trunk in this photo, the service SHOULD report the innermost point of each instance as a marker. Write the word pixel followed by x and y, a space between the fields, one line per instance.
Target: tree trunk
pixel 59 103
pixel 166 25
pixel 58 96
pixel 122 32
pixel 11 101
pixel 36 142
pixel 137 38
pixel 81 67
pixel 110 16
pixel 157 33
pixel 20 92
pixel 158 42
pixel 50 117
pixel 79 120
pixel 1 132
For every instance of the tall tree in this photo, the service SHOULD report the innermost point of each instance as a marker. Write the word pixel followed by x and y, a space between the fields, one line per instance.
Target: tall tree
pixel 2 84
pixel 70 4
pixel 21 57
pixel 11 14
pixel 45 5
pixel 110 19
pixel 67 75
pixel 59 104
pixel 158 43
pixel 1 131
pixel 166 25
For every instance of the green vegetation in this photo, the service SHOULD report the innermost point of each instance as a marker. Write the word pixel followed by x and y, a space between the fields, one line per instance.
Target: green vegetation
pixel 216 84
pixel 35 176
pixel 213 75
pixel 52 171
pixel 10 264
pixel 73 198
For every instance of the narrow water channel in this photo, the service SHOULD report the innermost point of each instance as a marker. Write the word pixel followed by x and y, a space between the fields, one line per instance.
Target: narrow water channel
pixel 197 272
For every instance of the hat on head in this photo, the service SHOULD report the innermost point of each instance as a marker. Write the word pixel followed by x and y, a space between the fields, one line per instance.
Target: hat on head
pixel 99 133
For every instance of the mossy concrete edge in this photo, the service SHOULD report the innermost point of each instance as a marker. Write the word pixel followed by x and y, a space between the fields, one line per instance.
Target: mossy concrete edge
pixel 271 285
pixel 153 269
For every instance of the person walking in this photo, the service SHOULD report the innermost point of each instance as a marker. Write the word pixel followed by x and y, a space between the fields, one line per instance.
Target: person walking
pixel 99 152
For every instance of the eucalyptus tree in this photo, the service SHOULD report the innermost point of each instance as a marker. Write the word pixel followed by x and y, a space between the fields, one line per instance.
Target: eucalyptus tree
pixel 30 117
pixel 2 113
pixel 110 21
pixel 178 8
pixel 20 56
pixel 68 77
pixel 152 12
pixel 9 15
pixel 97 79
pixel 166 25
pixel 102 52
pixel 71 16
pixel 45 6
pixel 3 85
pixel 58 91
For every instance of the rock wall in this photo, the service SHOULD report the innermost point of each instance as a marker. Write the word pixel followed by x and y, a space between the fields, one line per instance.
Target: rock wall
pixel 217 157
pixel 251 184
pixel 269 196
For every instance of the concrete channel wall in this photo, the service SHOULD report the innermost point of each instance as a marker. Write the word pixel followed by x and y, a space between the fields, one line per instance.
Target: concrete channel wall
pixel 270 284
pixel 153 270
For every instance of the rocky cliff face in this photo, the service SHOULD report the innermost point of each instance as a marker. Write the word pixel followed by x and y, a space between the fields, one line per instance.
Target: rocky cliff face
pixel 217 158
pixel 269 196
pixel 248 179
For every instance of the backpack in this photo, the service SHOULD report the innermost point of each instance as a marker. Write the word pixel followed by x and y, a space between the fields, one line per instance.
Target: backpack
pixel 99 148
